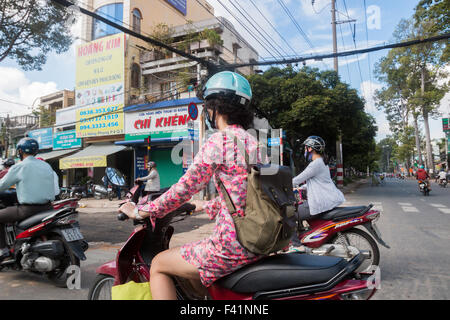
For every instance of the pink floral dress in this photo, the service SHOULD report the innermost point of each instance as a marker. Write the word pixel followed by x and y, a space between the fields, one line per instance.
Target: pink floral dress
pixel 219 157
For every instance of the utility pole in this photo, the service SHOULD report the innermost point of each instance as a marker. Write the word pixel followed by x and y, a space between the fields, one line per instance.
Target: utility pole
pixel 339 158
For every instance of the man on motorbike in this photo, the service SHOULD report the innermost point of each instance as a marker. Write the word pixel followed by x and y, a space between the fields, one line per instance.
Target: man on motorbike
pixel 322 192
pixel 7 164
pixel 35 188
pixel 227 96
pixel 422 175
pixel 442 176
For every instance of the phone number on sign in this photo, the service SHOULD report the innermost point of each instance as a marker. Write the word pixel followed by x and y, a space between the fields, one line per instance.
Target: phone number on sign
pixel 102 110
pixel 99 125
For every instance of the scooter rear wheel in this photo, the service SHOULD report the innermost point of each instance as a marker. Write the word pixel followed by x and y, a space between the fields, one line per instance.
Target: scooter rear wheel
pixel 59 276
pixel 101 289
pixel 363 241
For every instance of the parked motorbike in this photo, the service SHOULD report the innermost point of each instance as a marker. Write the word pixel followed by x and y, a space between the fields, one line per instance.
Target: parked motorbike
pixel 334 233
pixel 289 276
pixel 47 242
pixel 117 180
pixel 423 187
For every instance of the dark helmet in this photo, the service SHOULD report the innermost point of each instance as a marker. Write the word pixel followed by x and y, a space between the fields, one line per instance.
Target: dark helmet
pixel 316 143
pixel 8 162
pixel 27 146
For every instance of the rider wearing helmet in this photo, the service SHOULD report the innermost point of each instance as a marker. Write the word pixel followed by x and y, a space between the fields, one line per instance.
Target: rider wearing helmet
pixel 7 163
pixel 322 192
pixel 152 183
pixel 34 186
pixel 422 175
pixel 227 96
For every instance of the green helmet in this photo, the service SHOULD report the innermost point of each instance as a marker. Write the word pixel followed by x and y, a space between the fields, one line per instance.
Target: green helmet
pixel 229 85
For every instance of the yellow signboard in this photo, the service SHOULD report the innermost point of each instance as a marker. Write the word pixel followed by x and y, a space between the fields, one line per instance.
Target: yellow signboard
pixel 100 86
pixel 82 162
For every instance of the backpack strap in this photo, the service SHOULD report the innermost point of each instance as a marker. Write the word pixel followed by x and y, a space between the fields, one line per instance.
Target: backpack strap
pixel 228 201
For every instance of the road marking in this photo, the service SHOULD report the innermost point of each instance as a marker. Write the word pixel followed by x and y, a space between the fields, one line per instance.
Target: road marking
pixel 410 209
pixel 436 205
pixel 446 210
pixel 404 204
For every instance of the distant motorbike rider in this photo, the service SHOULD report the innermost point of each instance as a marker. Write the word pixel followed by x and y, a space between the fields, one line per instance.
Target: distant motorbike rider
pixel 422 175
pixel 442 176
pixel 152 182
pixel 35 188
pixel 322 192
pixel 7 163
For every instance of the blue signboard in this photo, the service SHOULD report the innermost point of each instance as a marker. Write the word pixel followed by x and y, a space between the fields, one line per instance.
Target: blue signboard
pixel 180 5
pixel 66 140
pixel 140 158
pixel 43 136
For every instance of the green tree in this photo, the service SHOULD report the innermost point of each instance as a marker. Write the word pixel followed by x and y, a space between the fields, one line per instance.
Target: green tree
pixel 310 102
pixel 30 29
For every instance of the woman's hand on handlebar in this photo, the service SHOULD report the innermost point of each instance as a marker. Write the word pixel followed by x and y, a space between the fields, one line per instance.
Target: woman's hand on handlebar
pixel 128 209
pixel 198 205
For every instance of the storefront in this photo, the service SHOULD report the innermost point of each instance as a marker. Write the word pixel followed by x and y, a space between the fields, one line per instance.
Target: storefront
pixel 91 162
pixel 173 132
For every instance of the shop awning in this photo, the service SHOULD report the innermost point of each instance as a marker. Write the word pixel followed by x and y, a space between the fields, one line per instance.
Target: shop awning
pixel 56 153
pixel 91 156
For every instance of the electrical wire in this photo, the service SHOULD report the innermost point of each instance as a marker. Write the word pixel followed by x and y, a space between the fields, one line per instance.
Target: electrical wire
pixel 246 29
pixel 258 28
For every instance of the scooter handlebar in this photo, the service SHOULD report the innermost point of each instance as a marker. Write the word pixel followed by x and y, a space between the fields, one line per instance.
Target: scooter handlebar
pixel 122 217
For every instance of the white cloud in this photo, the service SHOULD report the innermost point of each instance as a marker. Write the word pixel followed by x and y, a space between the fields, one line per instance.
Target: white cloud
pixel 367 90
pixel 17 88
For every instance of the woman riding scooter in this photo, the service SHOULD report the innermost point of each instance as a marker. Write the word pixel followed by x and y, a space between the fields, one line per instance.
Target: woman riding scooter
pixel 322 193
pixel 227 96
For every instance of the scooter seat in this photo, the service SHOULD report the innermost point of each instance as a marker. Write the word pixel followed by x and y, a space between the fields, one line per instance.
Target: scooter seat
pixel 283 271
pixel 37 218
pixel 340 213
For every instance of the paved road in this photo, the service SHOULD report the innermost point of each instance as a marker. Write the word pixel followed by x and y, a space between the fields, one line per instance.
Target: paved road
pixel 416 227
pixel 418 230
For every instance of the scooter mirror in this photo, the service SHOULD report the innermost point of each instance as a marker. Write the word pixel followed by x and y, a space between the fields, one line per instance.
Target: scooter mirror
pixel 115 176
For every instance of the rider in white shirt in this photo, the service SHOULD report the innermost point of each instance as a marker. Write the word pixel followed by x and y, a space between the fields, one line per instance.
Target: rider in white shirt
pixel 322 192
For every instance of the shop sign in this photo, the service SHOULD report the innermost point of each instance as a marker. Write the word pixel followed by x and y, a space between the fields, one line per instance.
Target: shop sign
pixel 99 87
pixel 43 136
pixel 66 140
pixel 82 162
pixel 180 5
pixel 159 123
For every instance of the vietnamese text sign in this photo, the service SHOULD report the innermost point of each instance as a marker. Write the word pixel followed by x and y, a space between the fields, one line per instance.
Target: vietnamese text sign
pixel 43 136
pixel 100 87
pixel 159 123
pixel 82 162
pixel 445 124
pixel 66 140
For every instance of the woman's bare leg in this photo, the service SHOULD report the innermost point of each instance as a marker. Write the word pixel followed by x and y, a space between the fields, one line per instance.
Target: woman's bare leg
pixel 166 264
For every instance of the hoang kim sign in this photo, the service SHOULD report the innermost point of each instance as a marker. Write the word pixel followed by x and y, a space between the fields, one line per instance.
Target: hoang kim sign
pixel 99 88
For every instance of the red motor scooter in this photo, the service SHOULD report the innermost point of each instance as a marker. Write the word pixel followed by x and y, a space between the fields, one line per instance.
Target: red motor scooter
pixel 286 276
pixel 334 233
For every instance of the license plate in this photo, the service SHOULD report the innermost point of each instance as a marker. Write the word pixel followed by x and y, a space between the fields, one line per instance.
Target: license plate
pixel 72 234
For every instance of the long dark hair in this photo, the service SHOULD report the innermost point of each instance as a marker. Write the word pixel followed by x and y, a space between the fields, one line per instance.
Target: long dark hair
pixel 239 115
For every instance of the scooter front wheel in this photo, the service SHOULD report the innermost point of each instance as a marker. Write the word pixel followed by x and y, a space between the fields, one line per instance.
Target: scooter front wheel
pixel 101 289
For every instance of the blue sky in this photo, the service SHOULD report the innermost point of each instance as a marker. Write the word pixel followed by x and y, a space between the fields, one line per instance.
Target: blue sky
pixel 315 21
